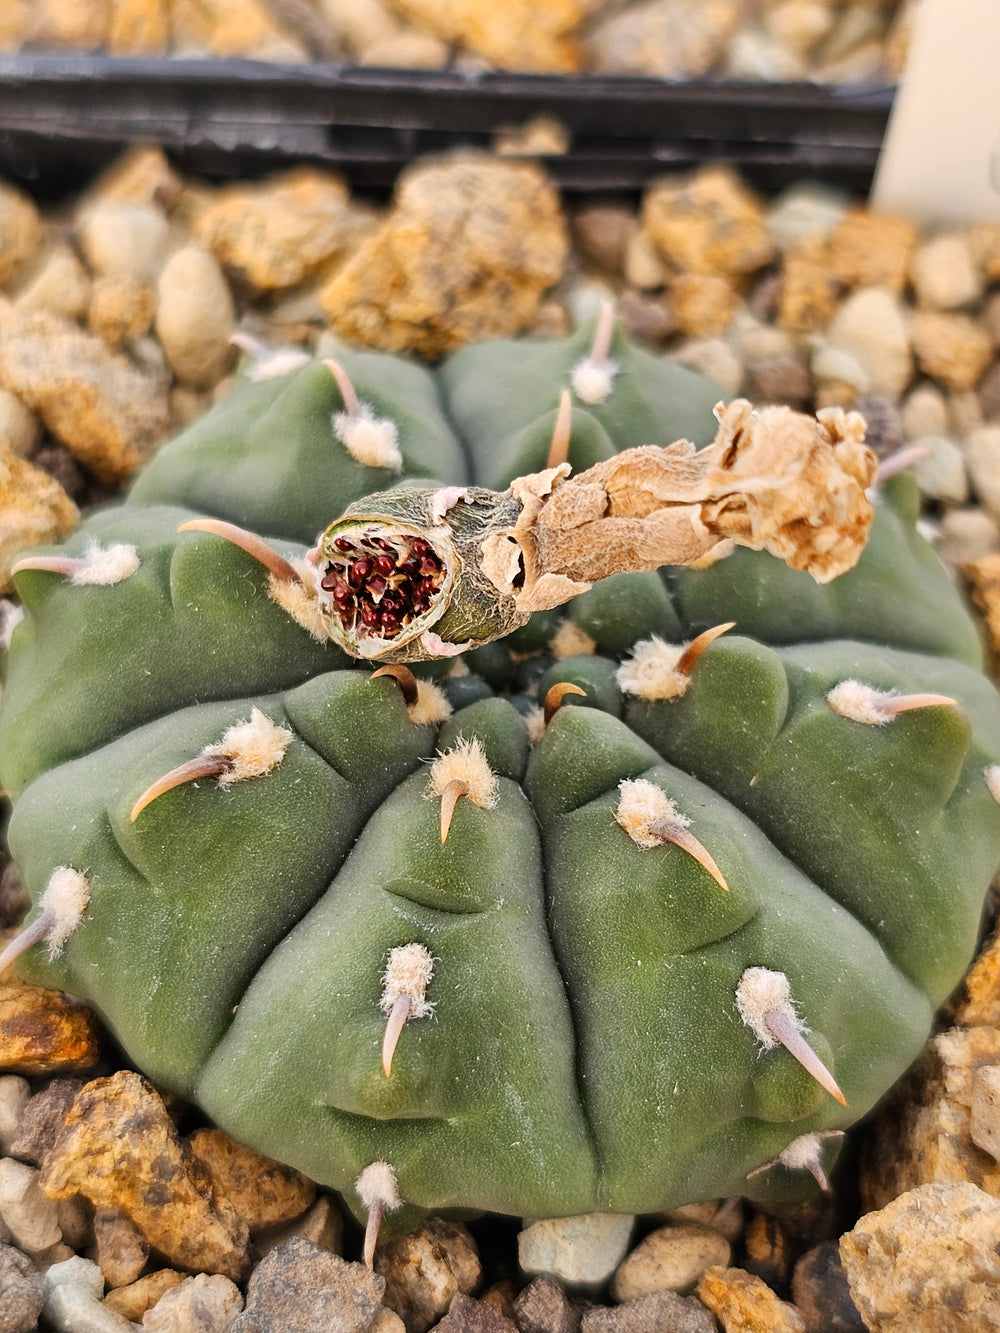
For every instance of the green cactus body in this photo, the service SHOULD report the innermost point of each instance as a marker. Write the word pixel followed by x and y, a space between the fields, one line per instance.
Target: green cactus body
pixel 582 1040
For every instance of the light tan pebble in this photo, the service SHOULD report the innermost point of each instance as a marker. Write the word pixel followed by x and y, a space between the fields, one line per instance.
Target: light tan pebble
pixel 195 317
pixel 230 28
pixel 27 1211
pixel 466 254
pixel 799 24
pixel 408 50
pixel 204 1302
pixel 927 1262
pixel 662 38
pixel 323 1224
pixel 767 1250
pixel 67 23
pixel 837 366
pixel 14 1094
pixel 580 1251
pixel 124 238
pixel 43 1031
pixel 722 1215
pixel 20 233
pixel 856 26
pixel 982 457
pixel 985 1112
pixel 754 53
pixel 989 317
pixel 952 349
pixel 424 1271
pixel 15 25
pixel 941 472
pixel 138 28
pixel 669 1259
pixel 707 223
pixel 924 411
pixel 141 175
pixel 804 213
pixel 529 35
pixel 809 291
pixel 871 325
pixel 121 308
pixel 702 304
pixel 61 286
pixel 868 250
pixel 187 405
pixel 52 1254
pixel 263 1192
pixel 984 241
pixel 278 234
pixel 753 340
pixel 643 267
pixel 602 232
pixel 742 1303
pixel 714 358
pixel 361 23
pixel 133 1301
pixel 965 412
pixel 780 379
pixel 122 1249
pixel 943 273
pixel 967 534
pixel 36 510
pixel 117 1142
pixel 977 1004
pixel 20 429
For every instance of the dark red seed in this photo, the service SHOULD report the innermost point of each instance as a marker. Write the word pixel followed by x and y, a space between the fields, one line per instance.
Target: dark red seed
pixel 409 566
pixel 385 564
pixel 359 570
pixel 342 594
pixel 369 616
pixel 342 544
pixel 428 565
pixel 390 622
pixel 419 547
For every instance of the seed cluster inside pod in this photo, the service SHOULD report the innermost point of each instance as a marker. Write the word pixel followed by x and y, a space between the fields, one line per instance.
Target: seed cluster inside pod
pixel 380 581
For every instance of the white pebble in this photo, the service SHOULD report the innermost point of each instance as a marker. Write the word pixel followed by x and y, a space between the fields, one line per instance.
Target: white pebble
pixel 924 412
pixel 871 325
pixel 802 212
pixel 30 1214
pixel 580 1251
pixel 195 316
pixel 77 1272
pixel 982 458
pixel 943 273
pixel 941 472
pixel 72 1309
pixel 202 1304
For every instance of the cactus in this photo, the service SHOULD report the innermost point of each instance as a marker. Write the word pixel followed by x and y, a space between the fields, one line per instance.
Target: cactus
pixel 646 917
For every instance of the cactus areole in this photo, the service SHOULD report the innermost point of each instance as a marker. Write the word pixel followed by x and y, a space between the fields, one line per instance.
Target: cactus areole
pixel 474 794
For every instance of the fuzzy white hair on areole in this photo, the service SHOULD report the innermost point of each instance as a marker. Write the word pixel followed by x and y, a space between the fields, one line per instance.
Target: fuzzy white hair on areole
pixel 105 567
pixel 66 897
pixel 651 672
pixel 408 972
pixel 371 440
pixel 431 706
pixel 992 776
pixel 535 718
pixel 276 364
pixel 299 598
pixel 252 747
pixel 641 806
pixel 761 991
pixel 860 703
pixel 377 1187
pixel 11 615
pixel 466 763
pixel 806 1152
pixel 592 380
pixel 570 640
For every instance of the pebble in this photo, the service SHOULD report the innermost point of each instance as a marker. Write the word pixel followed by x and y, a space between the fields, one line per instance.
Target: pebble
pixel 466 1315
pixel 780 379
pixel 14 1095
pixel 799 24
pixel 580 1251
pixel 299 1288
pixel 92 399
pixel 483 240
pixel 61 286
pixel 118 1141
pixel 804 212
pixel 868 250
pixel 809 291
pixel 41 1031
pixel 967 534
pixel 265 1193
pixel 707 223
pixel 983 576
pixel 121 308
pixel 323 1224
pixel 742 1302
pixel 659 1310
pixel 71 1309
pixel 29 1214
pixel 927 1262
pixel 702 304
pixel 122 1249
pixel 982 457
pixel 124 238
pixel 871 327
pixel 669 1259
pixel 20 429
pixel 602 232
pixel 425 1270
pixel 200 1304
pixel 544 1307
pixel 755 54
pixel 20 233
pixel 646 317
pixel 952 349
pixel 663 38
pixel 643 268
pixel 943 273
pixel 714 358
pixel 941 473
pixel 133 1301
pixel 195 317
pixel 768 1252
pixel 924 411
pixel 408 50
pixel 22 1293
pixel 821 1292
pixel 978 1001
pixel 984 1119
pixel 141 175
pixel 532 35
pixel 43 1118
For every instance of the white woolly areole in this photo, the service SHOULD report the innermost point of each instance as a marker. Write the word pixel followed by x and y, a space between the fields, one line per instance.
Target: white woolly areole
pixel 66 897
pixel 299 600
pixel 806 1152
pixel 105 567
pixel 760 991
pixel 535 718
pixel 376 1187
pixel 277 363
pixel 570 640
pixel 408 973
pixel 651 672
pixel 465 763
pixel 643 805
pixel 992 776
pixel 431 706
pixel 592 380
pixel 11 616
pixel 253 748
pixel 369 439
pixel 860 703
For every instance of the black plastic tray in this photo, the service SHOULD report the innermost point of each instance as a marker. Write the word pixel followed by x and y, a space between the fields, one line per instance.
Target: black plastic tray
pixel 63 116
